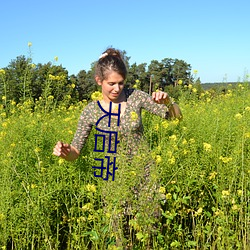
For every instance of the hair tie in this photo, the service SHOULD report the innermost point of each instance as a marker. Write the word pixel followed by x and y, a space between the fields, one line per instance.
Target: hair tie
pixel 103 55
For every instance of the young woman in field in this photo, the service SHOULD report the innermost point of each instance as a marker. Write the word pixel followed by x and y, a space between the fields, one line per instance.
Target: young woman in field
pixel 111 74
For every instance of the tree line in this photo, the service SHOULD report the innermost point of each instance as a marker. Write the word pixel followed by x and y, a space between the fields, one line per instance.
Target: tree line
pixel 22 79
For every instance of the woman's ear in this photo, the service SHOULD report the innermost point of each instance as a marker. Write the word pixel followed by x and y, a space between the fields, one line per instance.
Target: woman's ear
pixel 98 80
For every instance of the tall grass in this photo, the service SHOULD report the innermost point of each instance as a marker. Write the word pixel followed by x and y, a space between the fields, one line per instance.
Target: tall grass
pixel 201 166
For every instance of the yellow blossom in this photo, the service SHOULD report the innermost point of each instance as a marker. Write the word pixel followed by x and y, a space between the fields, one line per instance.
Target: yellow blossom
pixel 238 116
pixel 173 137
pixel 195 71
pixel 158 159
pixel 235 207
pixel 247 108
pixel 168 196
pixel 190 86
pixel 2 72
pixel 3 97
pixel 73 85
pixel 239 192
pixel 96 96
pixel 135 86
pixel 225 193
pixel 137 80
pixel 29 44
pixel 91 188
pixel 225 159
pixel 180 82
pixel 56 58
pixel 212 175
pixel 207 147
pixel 162 190
pixel 171 160
pixel 194 90
pixel 164 124
pixel 198 212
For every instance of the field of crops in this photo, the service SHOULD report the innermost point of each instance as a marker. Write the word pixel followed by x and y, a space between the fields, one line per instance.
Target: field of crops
pixel 202 167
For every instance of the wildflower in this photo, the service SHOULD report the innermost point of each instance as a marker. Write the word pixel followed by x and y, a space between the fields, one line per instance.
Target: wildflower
pixel 162 190
pixel 2 217
pixel 91 188
pixel 184 141
pixel 72 85
pixel 180 82
pixel 29 44
pixel 194 90
pixel 56 58
pixel 235 207
pixel 50 97
pixel 168 196
pixel 96 96
pixel 33 186
pixel 158 159
pixel 2 72
pixel 87 207
pixel 171 160
pixel 195 71
pixel 225 159
pixel 225 193
pixel 212 175
pixel 61 161
pixel 207 147
pixel 135 86
pixel 173 137
pixel 133 116
pixel 164 124
pixel 247 108
pixel 190 86
pixel 13 103
pixel 238 116
pixel 191 140
pixel 156 127
pixel 37 149
pixel 239 192
pixel 137 81
pixel 198 212
pixel 3 97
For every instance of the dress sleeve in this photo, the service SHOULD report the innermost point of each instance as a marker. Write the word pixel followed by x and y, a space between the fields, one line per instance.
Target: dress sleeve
pixel 84 128
pixel 151 106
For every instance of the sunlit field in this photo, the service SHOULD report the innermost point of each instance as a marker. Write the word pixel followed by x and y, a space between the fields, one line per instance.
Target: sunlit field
pixel 201 167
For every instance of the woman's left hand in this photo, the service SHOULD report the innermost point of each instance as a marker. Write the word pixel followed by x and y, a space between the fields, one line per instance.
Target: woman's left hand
pixel 161 97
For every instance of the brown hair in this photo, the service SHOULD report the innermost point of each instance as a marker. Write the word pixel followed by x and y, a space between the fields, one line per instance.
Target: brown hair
pixel 110 60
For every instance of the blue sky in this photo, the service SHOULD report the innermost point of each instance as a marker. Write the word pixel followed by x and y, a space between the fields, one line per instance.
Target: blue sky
pixel 212 36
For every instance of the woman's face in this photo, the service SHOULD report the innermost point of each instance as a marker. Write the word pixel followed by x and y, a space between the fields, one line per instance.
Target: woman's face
pixel 112 86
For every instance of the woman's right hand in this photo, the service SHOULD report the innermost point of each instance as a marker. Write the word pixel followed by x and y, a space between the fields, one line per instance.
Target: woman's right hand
pixel 61 149
pixel 66 151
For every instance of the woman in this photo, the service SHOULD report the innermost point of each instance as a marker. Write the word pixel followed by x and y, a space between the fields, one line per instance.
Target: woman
pixel 110 74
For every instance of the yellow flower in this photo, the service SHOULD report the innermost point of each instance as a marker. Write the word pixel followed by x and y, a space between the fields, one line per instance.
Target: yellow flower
pixel 3 97
pixel 171 160
pixel 235 207
pixel 190 86
pixel 195 71
pixel 91 188
pixel 133 116
pixel 168 196
pixel 207 147
pixel 239 192
pixel 212 175
pixel 173 137
pixel 96 96
pixel 29 44
pixel 135 86
pixel 2 72
pixel 225 193
pixel 225 159
pixel 180 82
pixel 246 108
pixel 198 212
pixel 164 124
pixel 137 81
pixel 162 190
pixel 56 58
pixel 158 159
pixel 238 116
pixel 194 90
pixel 73 85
